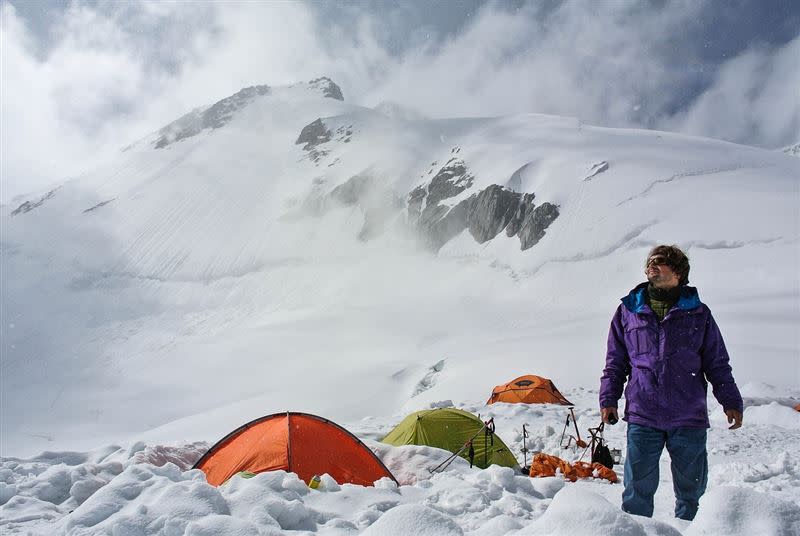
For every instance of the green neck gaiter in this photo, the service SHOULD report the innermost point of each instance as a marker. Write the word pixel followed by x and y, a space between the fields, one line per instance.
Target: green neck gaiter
pixel 662 300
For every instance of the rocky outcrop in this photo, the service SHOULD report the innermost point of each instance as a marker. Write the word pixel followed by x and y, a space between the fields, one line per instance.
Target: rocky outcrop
pixel 415 200
pixel 99 205
pixel 535 222
pixel 27 206
pixel 596 169
pixel 327 87
pixel 215 116
pixel 452 179
pixel 485 214
pixel 438 210
pixel 513 227
pixel 313 135
pixel 491 211
pixel 792 150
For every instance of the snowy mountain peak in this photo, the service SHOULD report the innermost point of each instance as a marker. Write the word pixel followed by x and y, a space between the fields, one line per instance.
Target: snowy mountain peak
pixel 221 112
pixel 328 87
pixel 215 116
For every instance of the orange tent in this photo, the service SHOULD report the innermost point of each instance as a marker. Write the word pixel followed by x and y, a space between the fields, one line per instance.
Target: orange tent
pixel 528 389
pixel 297 442
pixel 797 407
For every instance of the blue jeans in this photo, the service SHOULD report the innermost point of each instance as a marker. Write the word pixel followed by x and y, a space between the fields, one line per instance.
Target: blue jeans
pixel 689 463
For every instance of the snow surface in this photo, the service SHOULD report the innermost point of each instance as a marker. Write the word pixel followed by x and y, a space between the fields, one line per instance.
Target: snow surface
pixel 158 303
pixel 149 489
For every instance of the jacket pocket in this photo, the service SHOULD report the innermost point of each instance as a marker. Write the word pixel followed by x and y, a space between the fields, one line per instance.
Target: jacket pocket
pixel 641 341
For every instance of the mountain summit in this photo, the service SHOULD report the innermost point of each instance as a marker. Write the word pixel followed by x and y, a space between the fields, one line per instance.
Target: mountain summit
pixel 221 112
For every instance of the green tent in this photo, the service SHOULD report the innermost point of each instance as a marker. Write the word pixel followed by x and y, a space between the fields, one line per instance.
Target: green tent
pixel 450 429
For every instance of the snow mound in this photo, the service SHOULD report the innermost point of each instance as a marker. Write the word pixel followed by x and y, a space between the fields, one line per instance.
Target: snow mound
pixel 735 511
pixel 184 456
pixel 773 414
pixel 578 512
pixel 413 519
pixel 156 499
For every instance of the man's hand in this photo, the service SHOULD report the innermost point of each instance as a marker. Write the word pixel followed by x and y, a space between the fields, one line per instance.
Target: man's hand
pixel 610 416
pixel 734 419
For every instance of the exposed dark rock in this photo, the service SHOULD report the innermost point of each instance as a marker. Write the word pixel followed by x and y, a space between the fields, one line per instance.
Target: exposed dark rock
pixel 98 205
pixel 27 206
pixel 792 150
pixel 440 223
pixel 328 87
pixel 447 225
pixel 313 134
pixel 485 214
pixel 415 199
pixel 491 211
pixel 429 380
pixel 450 181
pixel 344 133
pixel 215 116
pixel 186 126
pixel 535 223
pixel 596 170
pixel 515 224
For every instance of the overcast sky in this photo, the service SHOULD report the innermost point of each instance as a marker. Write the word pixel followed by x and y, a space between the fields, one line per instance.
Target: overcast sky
pixel 80 79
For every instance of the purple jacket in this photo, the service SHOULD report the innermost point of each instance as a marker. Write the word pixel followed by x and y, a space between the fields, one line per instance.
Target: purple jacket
pixel 667 364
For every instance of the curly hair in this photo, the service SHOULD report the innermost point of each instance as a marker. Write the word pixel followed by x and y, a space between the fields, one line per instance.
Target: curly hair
pixel 676 259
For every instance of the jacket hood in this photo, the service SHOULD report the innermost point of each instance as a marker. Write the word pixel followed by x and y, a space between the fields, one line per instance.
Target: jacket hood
pixel 636 299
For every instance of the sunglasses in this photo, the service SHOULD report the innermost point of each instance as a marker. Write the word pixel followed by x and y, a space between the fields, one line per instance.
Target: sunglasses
pixel 658 260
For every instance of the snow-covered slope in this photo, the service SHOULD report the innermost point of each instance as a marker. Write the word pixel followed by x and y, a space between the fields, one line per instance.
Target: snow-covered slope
pixel 284 249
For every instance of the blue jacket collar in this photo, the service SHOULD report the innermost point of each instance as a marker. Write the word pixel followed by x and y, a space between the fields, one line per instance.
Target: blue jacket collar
pixel 636 300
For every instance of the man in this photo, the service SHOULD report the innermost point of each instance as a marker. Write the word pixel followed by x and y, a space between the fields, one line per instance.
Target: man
pixel 665 343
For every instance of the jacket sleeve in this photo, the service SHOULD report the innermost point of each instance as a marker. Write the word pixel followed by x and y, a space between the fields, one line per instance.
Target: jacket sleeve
pixel 618 364
pixel 717 368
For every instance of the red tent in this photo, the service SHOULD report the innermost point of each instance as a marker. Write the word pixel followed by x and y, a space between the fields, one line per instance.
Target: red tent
pixel 297 442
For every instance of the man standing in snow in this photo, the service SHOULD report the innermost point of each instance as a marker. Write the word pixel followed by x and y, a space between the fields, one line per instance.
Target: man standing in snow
pixel 664 342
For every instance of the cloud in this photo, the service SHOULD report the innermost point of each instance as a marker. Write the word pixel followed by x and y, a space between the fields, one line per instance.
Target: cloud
pixel 755 97
pixel 102 75
pixel 612 64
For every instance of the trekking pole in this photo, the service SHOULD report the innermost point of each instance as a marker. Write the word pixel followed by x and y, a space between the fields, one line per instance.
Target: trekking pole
pixel 488 439
pixel 578 441
pixel 453 456
pixel 524 446
pixel 564 431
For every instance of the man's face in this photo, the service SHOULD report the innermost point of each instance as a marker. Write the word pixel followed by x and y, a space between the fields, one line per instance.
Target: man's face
pixel 659 274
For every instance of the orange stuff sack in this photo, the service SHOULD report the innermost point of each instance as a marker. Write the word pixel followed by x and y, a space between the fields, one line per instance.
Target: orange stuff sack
pixel 551 464
pixel 601 471
pixel 540 470
pixel 583 469
pixel 546 465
